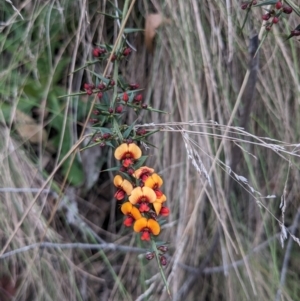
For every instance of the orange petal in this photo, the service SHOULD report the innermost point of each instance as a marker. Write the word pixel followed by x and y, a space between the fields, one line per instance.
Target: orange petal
pixel 149 193
pixel 153 226
pixel 140 224
pixel 134 150
pixel 135 213
pixel 121 151
pixel 126 208
pixel 127 187
pixel 154 181
pixel 136 194
pixel 157 207
pixel 161 199
pixel 144 169
pixel 118 180
pixel 150 182
pixel 157 179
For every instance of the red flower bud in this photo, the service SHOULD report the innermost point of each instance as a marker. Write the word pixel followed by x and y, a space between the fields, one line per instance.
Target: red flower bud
pixel 164 211
pixel 134 86
pixel 86 86
pixel 89 92
pixel 275 20
pixel 126 51
pixel 120 194
pixel 110 110
pixel 130 171
pixel 244 5
pixel 268 28
pixel 125 97
pixel 101 86
pixel 138 97
pixel 278 5
pixel 119 109
pixel 144 106
pixel 100 95
pixel 93 120
pixel 112 82
pixel 106 136
pixel 295 33
pixel 97 52
pixel 287 10
pixel 266 17
pixel 122 169
pixel 114 57
pixel 141 132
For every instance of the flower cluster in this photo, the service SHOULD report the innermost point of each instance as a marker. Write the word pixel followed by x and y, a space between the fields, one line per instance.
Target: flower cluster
pixel 273 15
pixel 140 189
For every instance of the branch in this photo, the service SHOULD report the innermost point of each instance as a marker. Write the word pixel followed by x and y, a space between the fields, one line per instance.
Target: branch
pixel 83 246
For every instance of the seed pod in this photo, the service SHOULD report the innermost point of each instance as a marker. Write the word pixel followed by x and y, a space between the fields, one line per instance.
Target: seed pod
pixel 163 249
pixel 150 255
pixel 163 260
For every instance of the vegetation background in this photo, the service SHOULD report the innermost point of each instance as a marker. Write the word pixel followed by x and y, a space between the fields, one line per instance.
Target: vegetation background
pixel 224 238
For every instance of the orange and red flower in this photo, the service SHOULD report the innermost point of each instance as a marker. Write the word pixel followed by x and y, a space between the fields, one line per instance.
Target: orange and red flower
pixel 131 212
pixel 158 203
pixel 147 227
pixel 123 185
pixel 155 182
pixel 143 173
pixel 127 153
pixel 142 196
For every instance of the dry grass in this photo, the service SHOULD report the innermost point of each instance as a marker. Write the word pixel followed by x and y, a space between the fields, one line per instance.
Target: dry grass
pixel 225 223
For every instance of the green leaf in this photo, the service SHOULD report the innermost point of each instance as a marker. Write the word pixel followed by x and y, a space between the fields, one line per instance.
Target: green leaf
pixel 147 134
pixel 86 65
pixel 267 2
pixel 140 162
pixel 117 129
pixel 108 15
pixel 76 174
pixel 128 130
pixel 73 94
pixel 104 79
pixel 155 110
pixel 112 169
pixel 115 7
pixel 131 30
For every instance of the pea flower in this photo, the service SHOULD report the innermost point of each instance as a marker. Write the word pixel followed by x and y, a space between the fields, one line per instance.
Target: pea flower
pixel 131 212
pixel 142 196
pixel 158 203
pixel 123 186
pixel 155 182
pixel 147 227
pixel 143 173
pixel 127 153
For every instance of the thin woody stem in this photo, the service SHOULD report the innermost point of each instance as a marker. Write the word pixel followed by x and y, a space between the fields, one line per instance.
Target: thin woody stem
pixel 156 251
